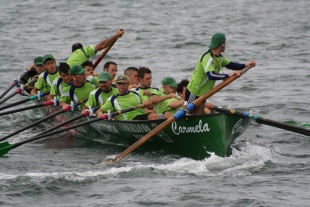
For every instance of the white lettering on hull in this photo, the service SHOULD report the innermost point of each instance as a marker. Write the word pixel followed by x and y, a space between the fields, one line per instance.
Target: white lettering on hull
pixel 199 128
pixel 238 128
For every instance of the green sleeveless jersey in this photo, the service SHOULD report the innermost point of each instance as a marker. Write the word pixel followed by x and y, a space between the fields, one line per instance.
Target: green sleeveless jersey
pixel 119 102
pixel 72 93
pixel 153 90
pixel 79 56
pixel 45 81
pixel 199 83
pixel 57 87
pixel 163 106
pixel 93 80
pixel 96 99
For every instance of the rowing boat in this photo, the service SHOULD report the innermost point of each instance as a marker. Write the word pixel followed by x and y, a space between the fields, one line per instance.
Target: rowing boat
pixel 195 137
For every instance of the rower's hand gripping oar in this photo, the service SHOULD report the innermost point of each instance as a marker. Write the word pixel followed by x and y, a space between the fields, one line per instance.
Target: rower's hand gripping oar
pixel 64 109
pixel 266 121
pixel 5 147
pixel 46 103
pixel 176 116
pixel 14 83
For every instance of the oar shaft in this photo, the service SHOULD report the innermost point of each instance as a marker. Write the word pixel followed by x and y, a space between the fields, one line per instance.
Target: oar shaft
pixel 31 98
pixel 14 83
pixel 104 117
pixel 106 50
pixel 33 124
pixel 59 131
pixel 11 95
pixel 283 126
pixel 47 103
pixel 219 87
pixel 141 141
pixel 5 147
pixel 266 121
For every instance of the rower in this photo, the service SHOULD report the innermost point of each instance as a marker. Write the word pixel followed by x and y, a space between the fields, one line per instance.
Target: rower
pixel 89 72
pixel 145 81
pixel 80 54
pixel 125 99
pixel 78 90
pixel 99 96
pixel 132 74
pixel 38 69
pixel 89 68
pixel 167 102
pixel 46 79
pixel 111 67
pixel 60 82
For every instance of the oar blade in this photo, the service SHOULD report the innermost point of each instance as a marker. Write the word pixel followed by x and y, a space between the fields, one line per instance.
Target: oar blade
pixel 5 147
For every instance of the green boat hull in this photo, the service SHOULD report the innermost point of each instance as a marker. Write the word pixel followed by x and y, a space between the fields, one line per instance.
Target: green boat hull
pixel 193 136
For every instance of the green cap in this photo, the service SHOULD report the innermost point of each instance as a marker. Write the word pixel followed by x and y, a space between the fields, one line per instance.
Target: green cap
pixel 122 79
pixel 104 76
pixel 169 81
pixel 48 56
pixel 216 40
pixel 38 60
pixel 76 70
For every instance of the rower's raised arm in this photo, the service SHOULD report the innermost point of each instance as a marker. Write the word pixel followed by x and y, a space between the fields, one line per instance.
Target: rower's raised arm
pixel 108 42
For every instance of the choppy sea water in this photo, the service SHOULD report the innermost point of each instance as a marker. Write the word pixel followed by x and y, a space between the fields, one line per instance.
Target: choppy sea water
pixel 268 167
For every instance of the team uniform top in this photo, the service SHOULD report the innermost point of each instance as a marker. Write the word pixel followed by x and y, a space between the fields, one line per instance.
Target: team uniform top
pixel 153 90
pixel 57 87
pixel 123 101
pixel 79 56
pixel 74 93
pixel 98 97
pixel 45 81
pixel 207 62
pixel 163 106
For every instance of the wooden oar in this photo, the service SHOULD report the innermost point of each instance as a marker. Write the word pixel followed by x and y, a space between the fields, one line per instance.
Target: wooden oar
pixel 14 83
pixel 46 103
pixel 64 109
pixel 176 116
pixel 266 121
pixel 18 90
pixel 5 147
pixel 83 114
pixel 30 98
pixel 106 50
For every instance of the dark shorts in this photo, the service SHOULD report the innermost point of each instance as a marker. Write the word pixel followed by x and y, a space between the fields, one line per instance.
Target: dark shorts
pixel 142 116
pixel 189 97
